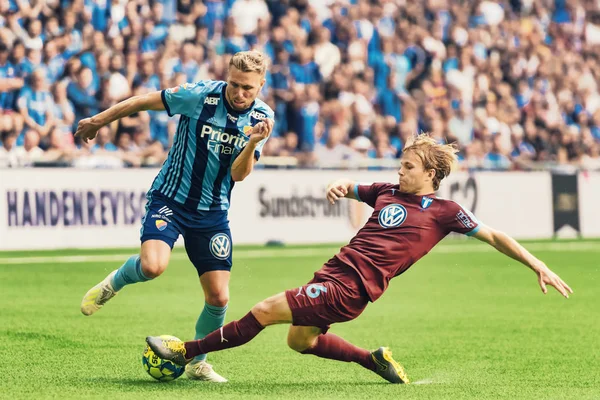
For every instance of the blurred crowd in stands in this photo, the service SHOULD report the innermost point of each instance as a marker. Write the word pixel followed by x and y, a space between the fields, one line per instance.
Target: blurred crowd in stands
pixel 513 82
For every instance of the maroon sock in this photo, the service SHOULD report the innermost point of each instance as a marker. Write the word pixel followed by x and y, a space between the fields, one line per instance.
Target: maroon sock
pixel 233 334
pixel 335 348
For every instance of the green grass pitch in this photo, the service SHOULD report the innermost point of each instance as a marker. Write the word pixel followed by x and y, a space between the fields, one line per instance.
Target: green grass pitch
pixel 466 323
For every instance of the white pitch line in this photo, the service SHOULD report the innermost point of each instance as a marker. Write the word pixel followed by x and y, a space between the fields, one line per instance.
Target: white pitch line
pixel 240 254
pixel 296 253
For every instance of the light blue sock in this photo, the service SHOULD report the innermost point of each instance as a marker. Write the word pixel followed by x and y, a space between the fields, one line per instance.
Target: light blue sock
pixel 130 272
pixel 211 319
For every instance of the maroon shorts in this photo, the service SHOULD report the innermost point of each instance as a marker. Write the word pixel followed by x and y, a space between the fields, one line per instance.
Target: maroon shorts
pixel 335 294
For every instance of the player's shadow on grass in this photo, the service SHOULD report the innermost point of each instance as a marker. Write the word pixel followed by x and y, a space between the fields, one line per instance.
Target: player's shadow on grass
pixel 138 382
pixel 254 387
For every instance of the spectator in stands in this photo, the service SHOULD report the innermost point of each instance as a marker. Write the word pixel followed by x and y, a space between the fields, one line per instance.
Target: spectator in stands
pixel 10 83
pixel 36 105
pixel 104 142
pixel 334 152
pixel 63 112
pixel 30 152
pixel 60 148
pixel 151 152
pixel 8 151
pixel 512 81
pixel 127 151
pixel 83 95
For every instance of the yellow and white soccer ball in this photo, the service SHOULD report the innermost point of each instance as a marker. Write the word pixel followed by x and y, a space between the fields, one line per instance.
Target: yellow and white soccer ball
pixel 159 369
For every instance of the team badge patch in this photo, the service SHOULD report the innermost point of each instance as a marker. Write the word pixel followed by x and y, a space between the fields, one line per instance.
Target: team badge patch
pixel 426 201
pixel 220 246
pixel 392 216
pixel 247 129
pixel 161 225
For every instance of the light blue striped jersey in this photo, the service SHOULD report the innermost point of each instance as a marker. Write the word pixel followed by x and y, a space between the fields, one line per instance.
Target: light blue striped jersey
pixel 210 135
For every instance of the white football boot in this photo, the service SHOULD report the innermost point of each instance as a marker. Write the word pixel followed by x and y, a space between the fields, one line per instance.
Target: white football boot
pixel 203 371
pixel 97 296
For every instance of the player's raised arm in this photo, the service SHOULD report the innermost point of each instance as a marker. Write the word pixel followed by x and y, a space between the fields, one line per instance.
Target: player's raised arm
pixel 340 188
pixel 507 245
pixel 244 163
pixel 88 127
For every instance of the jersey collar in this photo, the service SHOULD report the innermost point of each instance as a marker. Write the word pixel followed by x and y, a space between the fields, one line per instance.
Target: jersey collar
pixel 415 196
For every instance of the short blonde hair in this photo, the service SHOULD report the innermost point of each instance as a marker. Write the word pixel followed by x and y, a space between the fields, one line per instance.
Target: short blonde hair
pixel 439 157
pixel 249 61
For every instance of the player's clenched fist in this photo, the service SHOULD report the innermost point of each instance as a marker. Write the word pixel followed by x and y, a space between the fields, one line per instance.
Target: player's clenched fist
pixel 86 130
pixel 261 131
pixel 336 191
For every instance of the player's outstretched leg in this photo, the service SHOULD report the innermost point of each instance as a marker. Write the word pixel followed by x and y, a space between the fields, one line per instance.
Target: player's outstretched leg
pixel 233 334
pixel 97 296
pixel 273 310
pixel 308 340
pixel 168 349
pixel 388 368
pixel 155 254
pixel 130 272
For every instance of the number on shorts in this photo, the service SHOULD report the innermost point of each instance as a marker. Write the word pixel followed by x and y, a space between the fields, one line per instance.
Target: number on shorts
pixel 313 291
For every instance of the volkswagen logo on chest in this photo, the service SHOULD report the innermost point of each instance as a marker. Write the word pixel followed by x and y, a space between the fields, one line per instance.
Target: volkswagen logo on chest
pixel 392 216
pixel 220 246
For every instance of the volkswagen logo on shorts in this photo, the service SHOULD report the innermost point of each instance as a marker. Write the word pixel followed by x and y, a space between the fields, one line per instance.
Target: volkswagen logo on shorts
pixel 220 246
pixel 392 216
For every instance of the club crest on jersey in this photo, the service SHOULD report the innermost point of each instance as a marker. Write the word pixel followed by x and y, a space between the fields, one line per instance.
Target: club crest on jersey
pixel 161 225
pixel 392 216
pixel 426 201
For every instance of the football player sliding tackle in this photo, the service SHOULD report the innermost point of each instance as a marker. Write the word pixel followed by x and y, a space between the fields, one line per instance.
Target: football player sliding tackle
pixel 407 222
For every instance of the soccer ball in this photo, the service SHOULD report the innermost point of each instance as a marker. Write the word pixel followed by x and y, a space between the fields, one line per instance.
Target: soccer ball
pixel 159 369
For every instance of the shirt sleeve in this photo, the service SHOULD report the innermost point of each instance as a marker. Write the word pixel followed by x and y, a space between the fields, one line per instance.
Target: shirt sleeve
pixel 456 218
pixel 368 193
pixel 184 99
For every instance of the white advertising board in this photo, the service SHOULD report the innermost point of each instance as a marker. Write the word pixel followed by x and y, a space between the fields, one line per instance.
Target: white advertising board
pixel 517 203
pixel 71 208
pixel 589 204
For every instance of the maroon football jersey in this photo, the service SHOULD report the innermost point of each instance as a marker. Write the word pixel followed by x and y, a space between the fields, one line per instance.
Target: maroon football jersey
pixel 402 229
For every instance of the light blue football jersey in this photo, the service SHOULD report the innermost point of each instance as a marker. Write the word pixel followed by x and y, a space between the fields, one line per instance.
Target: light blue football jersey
pixel 210 135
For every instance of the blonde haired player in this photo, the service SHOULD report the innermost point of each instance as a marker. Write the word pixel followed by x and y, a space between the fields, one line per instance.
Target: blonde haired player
pixel 222 130
pixel 407 222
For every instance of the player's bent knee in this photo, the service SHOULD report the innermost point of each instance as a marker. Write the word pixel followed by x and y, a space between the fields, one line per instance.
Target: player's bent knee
pixel 153 268
pixel 217 299
pixel 263 313
pixel 299 344
pixel 260 309
pixel 298 339
pixel 154 258
pixel 274 310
